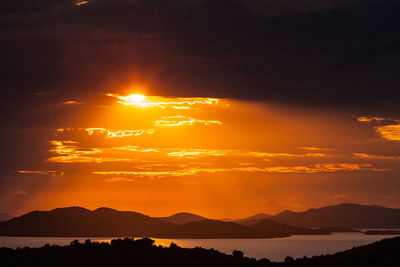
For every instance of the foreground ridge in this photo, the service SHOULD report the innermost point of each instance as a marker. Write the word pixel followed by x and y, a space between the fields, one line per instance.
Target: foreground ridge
pixel 143 252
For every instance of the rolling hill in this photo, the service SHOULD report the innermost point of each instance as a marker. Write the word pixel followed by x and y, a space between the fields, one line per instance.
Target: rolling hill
pixel 182 218
pixel 5 216
pixel 345 215
pixel 105 222
pixel 253 219
pixel 77 221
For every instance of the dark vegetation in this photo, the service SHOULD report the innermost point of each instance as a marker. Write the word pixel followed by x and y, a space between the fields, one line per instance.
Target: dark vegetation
pixel 143 252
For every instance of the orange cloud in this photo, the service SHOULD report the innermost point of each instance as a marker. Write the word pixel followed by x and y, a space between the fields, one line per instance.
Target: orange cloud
pixel 136 149
pixel 196 153
pixel 364 155
pixel 109 133
pixel 316 148
pixel 313 169
pixel 173 121
pixel 389 132
pixel 279 169
pixel 387 128
pixel 53 173
pixel 370 119
pixel 118 133
pixel 72 102
pixel 163 102
pixel 70 152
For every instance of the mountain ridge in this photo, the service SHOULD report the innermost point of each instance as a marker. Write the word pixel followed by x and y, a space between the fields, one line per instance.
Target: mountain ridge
pixel 344 215
pixel 78 221
pixel 105 222
pixel 182 218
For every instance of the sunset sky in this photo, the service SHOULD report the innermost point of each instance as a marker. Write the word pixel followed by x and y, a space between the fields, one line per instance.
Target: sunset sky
pixel 220 108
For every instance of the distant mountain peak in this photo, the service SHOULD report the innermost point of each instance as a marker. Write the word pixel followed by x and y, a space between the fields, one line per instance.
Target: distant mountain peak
pixel 184 213
pixel 72 208
pixel 253 219
pixel 343 215
pixel 5 216
pixel 182 218
pixel 105 210
pixel 285 212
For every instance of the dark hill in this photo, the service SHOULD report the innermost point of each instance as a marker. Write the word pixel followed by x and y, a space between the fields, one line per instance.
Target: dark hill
pixel 105 222
pixel 5 216
pixel 76 221
pixel 279 229
pixel 214 229
pixel 263 229
pixel 182 218
pixel 253 219
pixel 345 215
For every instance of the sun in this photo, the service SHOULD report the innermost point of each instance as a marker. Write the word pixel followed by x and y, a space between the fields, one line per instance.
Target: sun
pixel 135 98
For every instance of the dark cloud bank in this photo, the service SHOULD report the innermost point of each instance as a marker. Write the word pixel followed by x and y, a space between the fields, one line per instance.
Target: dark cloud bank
pixel 335 53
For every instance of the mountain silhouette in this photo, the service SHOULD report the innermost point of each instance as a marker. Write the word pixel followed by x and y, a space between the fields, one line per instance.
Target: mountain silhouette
pixel 214 229
pixel 105 222
pixel 268 226
pixel 346 215
pixel 77 221
pixel 253 219
pixel 5 216
pixel 182 218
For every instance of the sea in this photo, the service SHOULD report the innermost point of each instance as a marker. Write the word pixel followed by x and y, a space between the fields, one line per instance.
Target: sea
pixel 275 249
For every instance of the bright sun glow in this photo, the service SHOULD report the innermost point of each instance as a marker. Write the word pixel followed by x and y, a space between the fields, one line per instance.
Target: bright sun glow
pixel 139 100
pixel 135 98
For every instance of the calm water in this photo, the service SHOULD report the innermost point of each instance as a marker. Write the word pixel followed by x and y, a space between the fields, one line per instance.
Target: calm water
pixel 274 249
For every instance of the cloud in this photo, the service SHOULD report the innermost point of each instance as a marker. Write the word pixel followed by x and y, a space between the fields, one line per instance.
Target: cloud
pixel 370 156
pixel 163 102
pixel 137 149
pixel 119 179
pixel 389 132
pixel 239 49
pixel 21 192
pixel 72 102
pixel 318 168
pixel 193 153
pixel 70 152
pixel 174 121
pixel 387 128
pixel 118 133
pixel 316 148
pixel 370 119
pixel 52 173
pixel 102 132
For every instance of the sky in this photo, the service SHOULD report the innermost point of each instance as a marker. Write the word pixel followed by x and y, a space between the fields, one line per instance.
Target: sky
pixel 221 108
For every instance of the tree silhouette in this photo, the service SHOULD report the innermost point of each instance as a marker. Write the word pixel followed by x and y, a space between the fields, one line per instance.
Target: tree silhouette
pixel 237 254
